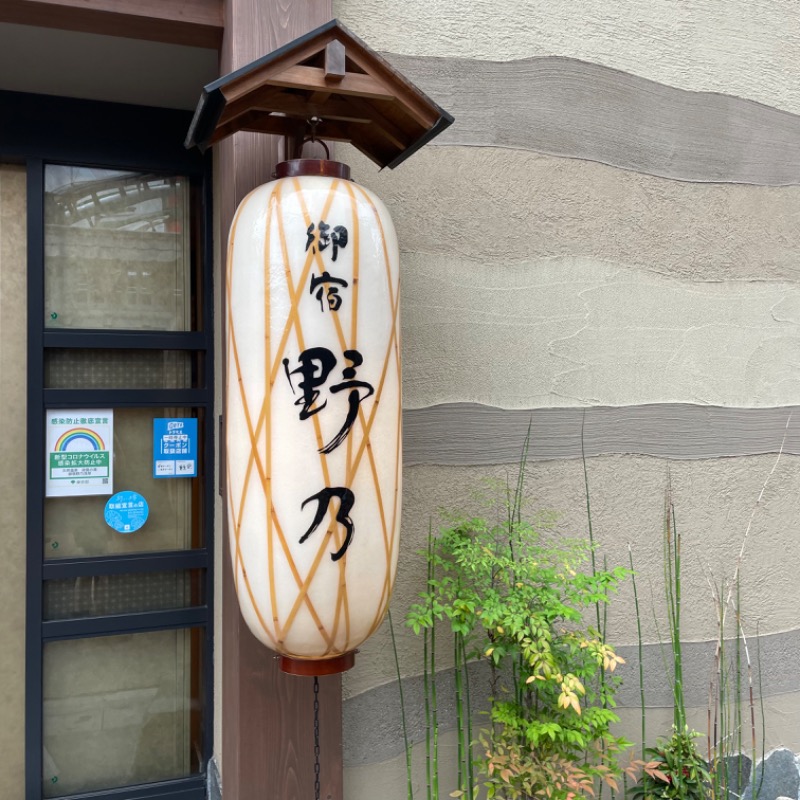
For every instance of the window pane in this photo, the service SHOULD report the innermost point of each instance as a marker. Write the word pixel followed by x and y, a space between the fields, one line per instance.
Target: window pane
pixel 121 710
pixel 117 250
pixel 99 595
pixel 121 369
pixel 76 526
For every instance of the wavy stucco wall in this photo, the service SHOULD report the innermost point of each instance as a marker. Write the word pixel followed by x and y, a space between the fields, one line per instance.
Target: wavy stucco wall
pixel 610 226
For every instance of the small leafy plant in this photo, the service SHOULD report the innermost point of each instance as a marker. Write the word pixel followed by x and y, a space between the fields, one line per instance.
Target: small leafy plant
pixel 675 771
pixel 520 601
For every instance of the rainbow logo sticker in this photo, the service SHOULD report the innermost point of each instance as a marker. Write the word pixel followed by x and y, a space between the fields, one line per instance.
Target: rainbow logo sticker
pixel 81 437
pixel 80 444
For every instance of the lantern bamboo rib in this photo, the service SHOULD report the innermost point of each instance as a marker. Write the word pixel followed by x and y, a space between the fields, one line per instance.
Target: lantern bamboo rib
pixel 365 440
pixel 341 597
pixel 387 585
pixel 293 320
pixel 236 523
pixel 267 415
pixel 264 627
pixel 228 270
pixel 356 267
pixel 254 458
pixel 366 426
pixel 313 257
pixel 354 345
pixel 298 580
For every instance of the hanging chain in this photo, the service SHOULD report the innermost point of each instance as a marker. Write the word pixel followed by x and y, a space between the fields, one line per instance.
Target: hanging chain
pixel 316 738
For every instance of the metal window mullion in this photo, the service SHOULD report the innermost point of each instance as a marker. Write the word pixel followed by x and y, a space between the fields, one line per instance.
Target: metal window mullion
pixel 127 398
pixel 193 788
pixel 137 563
pixel 124 340
pixel 136 622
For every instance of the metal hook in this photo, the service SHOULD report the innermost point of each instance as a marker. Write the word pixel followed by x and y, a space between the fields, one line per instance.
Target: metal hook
pixel 312 137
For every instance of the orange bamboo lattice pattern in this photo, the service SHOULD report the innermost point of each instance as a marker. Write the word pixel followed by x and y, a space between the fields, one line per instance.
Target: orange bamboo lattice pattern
pixel 322 597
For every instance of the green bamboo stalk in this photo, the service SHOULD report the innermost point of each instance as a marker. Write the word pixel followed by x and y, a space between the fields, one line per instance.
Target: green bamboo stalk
pixel 641 652
pixel 470 765
pixel 518 495
pixel 739 726
pixel 410 792
pixel 757 791
pixel 722 706
pixel 434 714
pixel 752 704
pixel 459 710
pixel 589 515
pixel 601 625
pixel 426 692
pixel 434 709
pixel 670 598
pixel 677 616
pixel 425 675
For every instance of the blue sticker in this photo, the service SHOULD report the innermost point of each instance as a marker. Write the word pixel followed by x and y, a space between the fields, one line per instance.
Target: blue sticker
pixel 126 512
pixel 175 448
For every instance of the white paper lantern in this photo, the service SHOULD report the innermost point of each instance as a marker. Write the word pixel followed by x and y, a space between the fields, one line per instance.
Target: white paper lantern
pixel 313 413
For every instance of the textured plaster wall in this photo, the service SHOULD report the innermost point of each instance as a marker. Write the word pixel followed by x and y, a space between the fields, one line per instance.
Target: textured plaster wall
pixel 566 107
pixel 506 206
pixel 580 331
pixel 13 360
pixel 714 500
pixel 591 231
pixel 737 47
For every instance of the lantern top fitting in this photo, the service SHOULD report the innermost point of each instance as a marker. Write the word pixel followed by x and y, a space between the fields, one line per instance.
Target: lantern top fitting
pixel 326 85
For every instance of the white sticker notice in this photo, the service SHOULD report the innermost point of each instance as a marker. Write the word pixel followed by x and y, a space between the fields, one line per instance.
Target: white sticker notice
pixel 80 458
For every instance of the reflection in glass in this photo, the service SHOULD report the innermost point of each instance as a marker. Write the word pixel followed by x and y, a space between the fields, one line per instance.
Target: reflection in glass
pixel 71 368
pixel 75 526
pixel 117 250
pixel 121 710
pixel 99 595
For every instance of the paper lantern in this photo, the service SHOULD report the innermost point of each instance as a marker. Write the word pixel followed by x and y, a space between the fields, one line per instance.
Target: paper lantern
pixel 313 413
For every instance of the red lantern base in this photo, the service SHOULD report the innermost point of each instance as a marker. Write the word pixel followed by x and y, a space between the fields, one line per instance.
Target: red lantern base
pixel 310 668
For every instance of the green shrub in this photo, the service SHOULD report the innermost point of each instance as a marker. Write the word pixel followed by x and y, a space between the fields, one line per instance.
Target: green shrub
pixel 676 770
pixel 521 602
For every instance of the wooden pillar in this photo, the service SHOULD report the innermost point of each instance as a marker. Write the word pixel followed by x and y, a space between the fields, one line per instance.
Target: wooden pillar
pixel 267 717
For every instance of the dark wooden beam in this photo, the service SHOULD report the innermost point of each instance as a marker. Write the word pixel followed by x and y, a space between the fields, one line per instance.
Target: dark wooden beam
pixel 294 105
pixel 305 78
pixel 267 716
pixel 285 126
pixel 198 23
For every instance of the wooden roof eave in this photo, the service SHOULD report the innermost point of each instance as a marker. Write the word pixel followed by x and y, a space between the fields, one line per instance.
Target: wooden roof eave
pixel 268 95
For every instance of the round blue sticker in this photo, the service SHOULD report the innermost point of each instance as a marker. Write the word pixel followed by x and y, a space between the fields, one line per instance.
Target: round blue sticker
pixel 126 512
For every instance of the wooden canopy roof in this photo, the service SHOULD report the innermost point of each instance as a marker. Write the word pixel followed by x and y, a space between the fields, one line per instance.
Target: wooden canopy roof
pixel 328 75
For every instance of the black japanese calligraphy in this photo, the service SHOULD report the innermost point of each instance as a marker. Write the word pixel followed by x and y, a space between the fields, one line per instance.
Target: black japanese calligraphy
pixel 316 364
pixel 333 297
pixel 354 399
pixel 346 501
pixel 326 238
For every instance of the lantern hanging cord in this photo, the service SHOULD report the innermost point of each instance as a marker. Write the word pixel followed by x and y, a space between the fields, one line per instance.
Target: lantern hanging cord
pixel 316 739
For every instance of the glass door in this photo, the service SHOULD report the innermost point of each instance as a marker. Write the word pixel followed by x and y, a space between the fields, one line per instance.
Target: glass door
pixel 120 483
